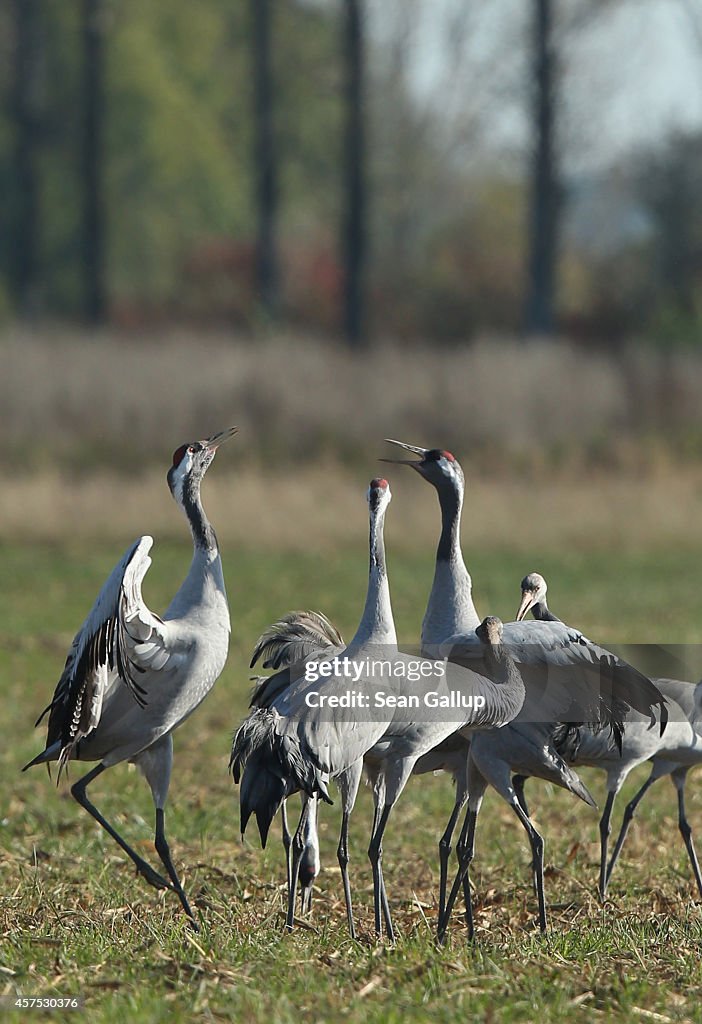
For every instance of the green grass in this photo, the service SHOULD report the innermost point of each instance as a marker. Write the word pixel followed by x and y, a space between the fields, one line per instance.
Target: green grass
pixel 74 919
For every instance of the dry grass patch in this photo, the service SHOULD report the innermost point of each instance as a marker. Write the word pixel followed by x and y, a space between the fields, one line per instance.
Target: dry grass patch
pixel 112 397
pixel 302 509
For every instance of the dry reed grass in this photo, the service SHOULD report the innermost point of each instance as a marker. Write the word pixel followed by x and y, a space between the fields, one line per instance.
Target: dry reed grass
pixel 117 398
pixel 316 506
pixel 561 446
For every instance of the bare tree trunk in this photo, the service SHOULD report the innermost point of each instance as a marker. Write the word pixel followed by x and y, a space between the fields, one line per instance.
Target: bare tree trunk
pixel 544 202
pixel 265 167
pixel 25 214
pixel 92 160
pixel 353 240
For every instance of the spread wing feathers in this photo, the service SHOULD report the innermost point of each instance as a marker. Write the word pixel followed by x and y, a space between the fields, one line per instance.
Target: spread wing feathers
pixel 294 637
pixel 570 679
pixel 120 639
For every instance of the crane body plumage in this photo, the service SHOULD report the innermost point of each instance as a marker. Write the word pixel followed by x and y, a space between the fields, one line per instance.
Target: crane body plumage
pixel 131 677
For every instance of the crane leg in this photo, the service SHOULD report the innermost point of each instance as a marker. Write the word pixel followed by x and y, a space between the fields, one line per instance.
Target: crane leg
pixel 78 792
pixel 685 830
pixel 342 854
pixel 348 783
pixel 161 844
pixel 287 840
pixel 461 851
pixel 309 864
pixel 375 855
pixel 298 845
pixel 605 831
pixel 518 787
pixel 537 853
pixel 444 854
pixel 629 812
pixel 306 899
pixel 465 849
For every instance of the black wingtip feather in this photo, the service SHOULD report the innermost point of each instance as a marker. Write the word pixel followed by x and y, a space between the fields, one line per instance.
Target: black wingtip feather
pixel 264 825
pixel 664 716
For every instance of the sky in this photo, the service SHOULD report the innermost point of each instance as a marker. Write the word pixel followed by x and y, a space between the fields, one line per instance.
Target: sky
pixel 632 74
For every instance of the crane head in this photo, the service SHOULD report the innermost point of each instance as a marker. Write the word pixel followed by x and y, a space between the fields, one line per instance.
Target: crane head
pixel 438 466
pixel 379 495
pixel 191 461
pixel 490 630
pixel 533 591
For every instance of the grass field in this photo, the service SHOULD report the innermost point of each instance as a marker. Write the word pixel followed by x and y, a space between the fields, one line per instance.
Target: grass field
pixel 74 919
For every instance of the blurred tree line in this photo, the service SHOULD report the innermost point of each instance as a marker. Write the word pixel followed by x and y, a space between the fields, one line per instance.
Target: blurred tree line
pixel 255 162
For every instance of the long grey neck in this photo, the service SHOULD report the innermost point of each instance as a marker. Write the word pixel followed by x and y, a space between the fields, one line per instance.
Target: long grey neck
pixel 512 690
pixel 203 587
pixel 542 613
pixel 450 608
pixel 204 538
pixel 377 625
pixel 503 689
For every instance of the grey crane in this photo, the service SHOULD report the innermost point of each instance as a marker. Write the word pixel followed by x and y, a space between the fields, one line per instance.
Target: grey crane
pixel 568 681
pixel 525 746
pixel 450 610
pixel 131 678
pixel 680 750
pixel 292 640
pixel 601 686
pixel 289 747
pixel 295 640
pixel 672 753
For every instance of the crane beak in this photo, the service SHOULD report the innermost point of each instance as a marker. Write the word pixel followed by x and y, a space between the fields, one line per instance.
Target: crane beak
pixel 216 440
pixel 408 448
pixel 528 598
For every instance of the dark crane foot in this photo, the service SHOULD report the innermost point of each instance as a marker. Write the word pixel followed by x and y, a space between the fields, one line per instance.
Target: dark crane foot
pixel 151 876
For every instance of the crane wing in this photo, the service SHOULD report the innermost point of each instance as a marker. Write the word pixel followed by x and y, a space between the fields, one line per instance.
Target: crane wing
pixel 570 679
pixel 120 639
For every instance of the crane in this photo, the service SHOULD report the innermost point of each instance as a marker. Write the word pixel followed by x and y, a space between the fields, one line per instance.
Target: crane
pixel 551 657
pixel 450 610
pixel 131 678
pixel 292 640
pixel 672 753
pixel 525 746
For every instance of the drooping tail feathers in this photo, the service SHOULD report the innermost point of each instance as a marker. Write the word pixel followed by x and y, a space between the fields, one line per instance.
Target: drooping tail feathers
pixel 270 767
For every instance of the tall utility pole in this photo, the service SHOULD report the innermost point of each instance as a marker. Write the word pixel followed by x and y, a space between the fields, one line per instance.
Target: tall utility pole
pixel 265 167
pixel 353 233
pixel 92 163
pixel 25 116
pixel 544 200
